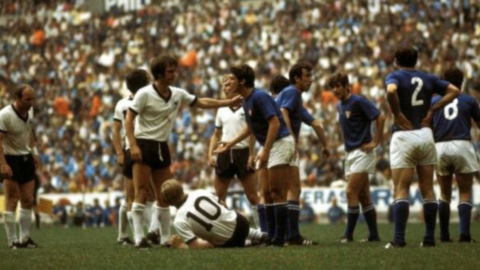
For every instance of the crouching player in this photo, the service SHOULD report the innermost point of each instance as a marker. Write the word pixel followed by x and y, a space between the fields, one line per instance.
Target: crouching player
pixel 202 222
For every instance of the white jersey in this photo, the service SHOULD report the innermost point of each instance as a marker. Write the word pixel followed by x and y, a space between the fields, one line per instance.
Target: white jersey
pixel 156 115
pixel 203 216
pixel 120 115
pixel 231 122
pixel 17 131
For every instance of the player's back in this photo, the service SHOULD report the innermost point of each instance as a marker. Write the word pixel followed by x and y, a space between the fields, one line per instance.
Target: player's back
pixel 415 90
pixel 453 121
pixel 206 218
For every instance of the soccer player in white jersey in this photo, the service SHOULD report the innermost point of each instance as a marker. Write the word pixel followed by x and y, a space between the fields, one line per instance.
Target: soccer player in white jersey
pixel 154 110
pixel 239 160
pixel 135 80
pixel 409 92
pixel 455 155
pixel 203 222
pixel 18 163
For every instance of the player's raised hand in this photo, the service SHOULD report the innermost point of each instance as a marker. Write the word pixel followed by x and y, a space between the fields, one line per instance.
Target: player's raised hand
pixel 236 101
pixel 402 122
pixel 428 119
pixel 136 153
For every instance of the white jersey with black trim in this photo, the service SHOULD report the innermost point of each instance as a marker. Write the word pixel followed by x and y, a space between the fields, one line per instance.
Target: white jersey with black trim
pixel 156 115
pixel 231 122
pixel 203 216
pixel 120 114
pixel 17 131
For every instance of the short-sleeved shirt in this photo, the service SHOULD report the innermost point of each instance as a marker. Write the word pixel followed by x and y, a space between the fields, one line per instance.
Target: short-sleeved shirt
pixel 290 98
pixel 155 114
pixel 17 131
pixel 231 122
pixel 259 108
pixel 201 215
pixel 356 116
pixel 452 122
pixel 415 91
pixel 120 115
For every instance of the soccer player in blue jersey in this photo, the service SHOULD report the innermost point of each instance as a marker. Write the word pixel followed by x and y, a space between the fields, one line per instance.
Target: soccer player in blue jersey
pixel 356 115
pixel 455 155
pixel 266 122
pixel 409 92
pixel 291 105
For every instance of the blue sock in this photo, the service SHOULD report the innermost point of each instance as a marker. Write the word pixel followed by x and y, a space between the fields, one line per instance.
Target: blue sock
pixel 270 214
pixel 401 209
pixel 465 215
pixel 370 215
pixel 293 218
pixel 444 217
pixel 352 217
pixel 430 208
pixel 262 217
pixel 281 213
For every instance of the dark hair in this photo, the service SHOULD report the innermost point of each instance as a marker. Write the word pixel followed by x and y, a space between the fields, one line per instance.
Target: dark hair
pixel 336 79
pixel 406 57
pixel 137 79
pixel 19 90
pixel 244 72
pixel 278 83
pixel 455 76
pixel 297 70
pixel 159 64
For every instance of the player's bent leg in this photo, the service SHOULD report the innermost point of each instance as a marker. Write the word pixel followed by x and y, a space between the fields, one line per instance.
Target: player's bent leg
pixel 26 210
pixel 278 187
pixel 355 183
pixel 12 196
pixel 430 205
pixel 465 206
pixel 163 210
pixel 445 183
pixel 142 182
pixel 370 214
pixel 402 178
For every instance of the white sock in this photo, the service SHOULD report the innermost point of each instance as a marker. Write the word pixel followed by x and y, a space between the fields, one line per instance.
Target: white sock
pixel 148 214
pixel 164 219
pixel 138 219
pixel 122 221
pixel 154 224
pixel 130 221
pixel 254 212
pixel 9 219
pixel 254 234
pixel 25 223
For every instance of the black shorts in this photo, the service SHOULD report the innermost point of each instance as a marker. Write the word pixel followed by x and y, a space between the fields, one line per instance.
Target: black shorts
pixel 240 234
pixel 155 154
pixel 233 162
pixel 127 169
pixel 23 168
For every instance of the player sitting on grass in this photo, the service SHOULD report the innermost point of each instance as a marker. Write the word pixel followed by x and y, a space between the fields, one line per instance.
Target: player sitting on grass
pixel 202 222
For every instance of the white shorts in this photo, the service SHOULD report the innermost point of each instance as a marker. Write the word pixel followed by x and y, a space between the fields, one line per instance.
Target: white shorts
pixel 456 157
pixel 357 161
pixel 282 152
pixel 409 149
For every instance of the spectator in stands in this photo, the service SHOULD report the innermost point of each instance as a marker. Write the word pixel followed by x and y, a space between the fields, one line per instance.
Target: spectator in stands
pixel 336 214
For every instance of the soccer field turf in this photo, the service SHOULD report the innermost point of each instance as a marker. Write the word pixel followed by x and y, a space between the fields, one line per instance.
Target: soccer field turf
pixel 96 248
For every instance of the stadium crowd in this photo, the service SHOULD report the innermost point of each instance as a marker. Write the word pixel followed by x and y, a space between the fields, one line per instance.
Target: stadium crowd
pixel 77 62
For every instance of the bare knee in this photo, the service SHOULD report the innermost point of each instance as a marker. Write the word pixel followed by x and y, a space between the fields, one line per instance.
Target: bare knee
pixel 277 194
pixel 352 194
pixel 252 198
pixel 26 203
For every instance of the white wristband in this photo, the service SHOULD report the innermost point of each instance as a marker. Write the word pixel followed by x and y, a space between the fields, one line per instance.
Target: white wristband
pixel 34 151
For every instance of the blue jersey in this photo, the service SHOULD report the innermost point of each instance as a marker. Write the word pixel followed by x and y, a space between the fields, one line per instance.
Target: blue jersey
pixel 259 108
pixel 452 122
pixel 291 99
pixel 415 91
pixel 356 116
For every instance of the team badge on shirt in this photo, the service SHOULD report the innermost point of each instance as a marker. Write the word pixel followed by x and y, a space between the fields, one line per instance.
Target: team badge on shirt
pixel 348 114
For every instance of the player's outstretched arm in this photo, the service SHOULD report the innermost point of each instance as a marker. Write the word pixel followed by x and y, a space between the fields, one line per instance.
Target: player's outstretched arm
pixel 210 103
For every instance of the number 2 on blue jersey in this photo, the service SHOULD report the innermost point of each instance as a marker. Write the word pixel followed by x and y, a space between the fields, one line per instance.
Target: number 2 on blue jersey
pixel 419 82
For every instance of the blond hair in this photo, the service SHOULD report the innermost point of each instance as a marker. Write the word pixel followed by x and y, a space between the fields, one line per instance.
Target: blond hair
pixel 172 192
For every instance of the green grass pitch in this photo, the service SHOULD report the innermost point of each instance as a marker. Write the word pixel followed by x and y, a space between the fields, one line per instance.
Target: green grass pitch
pixel 96 248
